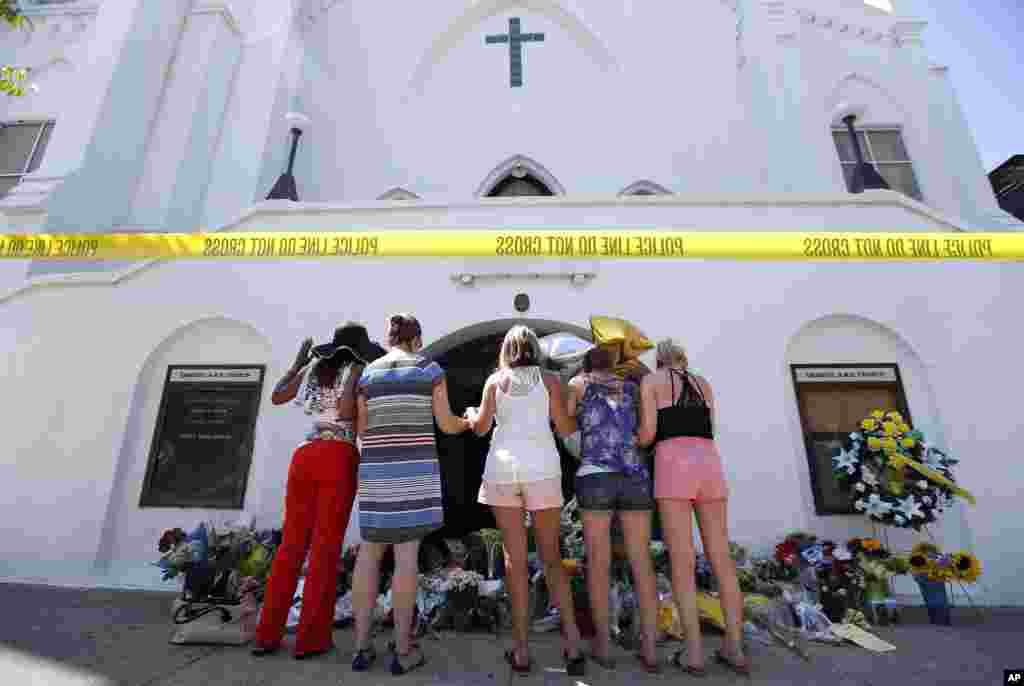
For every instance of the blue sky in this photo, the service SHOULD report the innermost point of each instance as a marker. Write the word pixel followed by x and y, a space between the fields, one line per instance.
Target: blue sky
pixel 982 43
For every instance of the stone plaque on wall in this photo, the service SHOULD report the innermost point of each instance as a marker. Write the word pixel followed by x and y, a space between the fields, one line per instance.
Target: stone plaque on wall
pixel 203 441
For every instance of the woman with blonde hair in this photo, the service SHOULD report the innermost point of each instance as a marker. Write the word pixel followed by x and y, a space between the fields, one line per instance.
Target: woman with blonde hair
pixel 678 416
pixel 523 473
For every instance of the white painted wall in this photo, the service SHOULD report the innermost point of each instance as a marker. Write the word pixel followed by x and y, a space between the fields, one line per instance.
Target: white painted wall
pixel 62 449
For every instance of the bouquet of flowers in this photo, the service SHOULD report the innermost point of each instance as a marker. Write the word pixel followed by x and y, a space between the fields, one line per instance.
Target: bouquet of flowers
pixel 929 562
pixel 216 559
pixel 492 542
pixel 896 477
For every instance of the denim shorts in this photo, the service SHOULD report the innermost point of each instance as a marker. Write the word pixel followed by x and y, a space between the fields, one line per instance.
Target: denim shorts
pixel 614 491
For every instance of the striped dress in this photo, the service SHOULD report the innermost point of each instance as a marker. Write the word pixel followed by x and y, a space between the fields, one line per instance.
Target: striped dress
pixel 399 474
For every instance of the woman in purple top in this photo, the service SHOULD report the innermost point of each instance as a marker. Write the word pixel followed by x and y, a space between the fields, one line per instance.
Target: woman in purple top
pixel 614 478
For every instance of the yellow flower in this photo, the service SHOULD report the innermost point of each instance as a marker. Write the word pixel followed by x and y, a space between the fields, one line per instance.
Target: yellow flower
pixel 889 444
pixel 869 424
pixel 966 567
pixel 894 416
pixel 908 442
pixel 920 563
pixel 874 443
pixel 904 428
pixel 878 414
pixel 889 428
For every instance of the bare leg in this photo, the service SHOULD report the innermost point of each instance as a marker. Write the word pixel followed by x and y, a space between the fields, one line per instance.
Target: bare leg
pixel 403 593
pixel 714 533
pixel 596 534
pixel 365 587
pixel 636 527
pixel 547 527
pixel 677 525
pixel 513 532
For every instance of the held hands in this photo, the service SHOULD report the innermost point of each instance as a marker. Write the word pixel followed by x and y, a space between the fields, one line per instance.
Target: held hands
pixel 470 417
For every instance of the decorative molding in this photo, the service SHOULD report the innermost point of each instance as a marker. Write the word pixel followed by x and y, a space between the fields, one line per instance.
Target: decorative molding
pixel 843 28
pixel 644 187
pixel 482 10
pixel 519 165
pixel 575 278
pixel 399 193
pixel 221 7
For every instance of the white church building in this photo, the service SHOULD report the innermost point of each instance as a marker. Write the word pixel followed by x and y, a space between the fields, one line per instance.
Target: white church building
pixel 707 115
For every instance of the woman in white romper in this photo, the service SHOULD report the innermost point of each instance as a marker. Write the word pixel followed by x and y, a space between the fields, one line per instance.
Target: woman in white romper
pixel 524 473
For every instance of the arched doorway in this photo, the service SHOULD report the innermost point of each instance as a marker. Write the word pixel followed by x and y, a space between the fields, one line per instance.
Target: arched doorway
pixel 469 356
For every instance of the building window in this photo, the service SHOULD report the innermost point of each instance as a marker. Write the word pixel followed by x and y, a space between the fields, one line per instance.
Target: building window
pixel 883 149
pixel 22 145
pixel 519 184
pixel 832 401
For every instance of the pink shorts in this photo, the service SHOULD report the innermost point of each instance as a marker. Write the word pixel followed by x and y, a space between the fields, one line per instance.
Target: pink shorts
pixel 689 468
pixel 531 495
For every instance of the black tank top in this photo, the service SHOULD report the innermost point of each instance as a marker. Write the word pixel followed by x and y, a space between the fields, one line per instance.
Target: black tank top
pixel 688 416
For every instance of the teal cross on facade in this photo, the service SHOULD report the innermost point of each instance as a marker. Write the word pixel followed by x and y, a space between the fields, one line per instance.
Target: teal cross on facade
pixel 515 40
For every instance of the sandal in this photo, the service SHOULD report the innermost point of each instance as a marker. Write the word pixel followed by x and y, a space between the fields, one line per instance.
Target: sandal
pixel 398 669
pixel 261 651
pixel 576 666
pixel 741 669
pixel 510 658
pixel 364 659
pixel 677 660
pixel 649 667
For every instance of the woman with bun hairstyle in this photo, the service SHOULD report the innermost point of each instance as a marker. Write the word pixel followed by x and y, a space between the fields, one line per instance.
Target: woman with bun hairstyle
pixel 400 396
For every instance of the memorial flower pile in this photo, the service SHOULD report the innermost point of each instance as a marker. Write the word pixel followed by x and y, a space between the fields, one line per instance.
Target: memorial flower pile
pixel 895 476
pixel 215 559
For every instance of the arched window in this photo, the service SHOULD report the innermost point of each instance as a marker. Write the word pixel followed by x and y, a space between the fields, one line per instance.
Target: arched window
pixel 519 176
pixel 515 185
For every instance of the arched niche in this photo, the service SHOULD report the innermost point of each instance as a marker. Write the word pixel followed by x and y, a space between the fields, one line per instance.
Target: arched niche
pixel 130 532
pixel 842 338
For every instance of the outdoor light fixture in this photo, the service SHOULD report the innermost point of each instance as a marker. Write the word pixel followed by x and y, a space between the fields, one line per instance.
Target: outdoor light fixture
pixel 865 176
pixel 578 279
pixel 285 188
pixel 466 279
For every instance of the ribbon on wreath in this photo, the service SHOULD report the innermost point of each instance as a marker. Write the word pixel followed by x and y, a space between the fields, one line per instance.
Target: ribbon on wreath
pixel 898 461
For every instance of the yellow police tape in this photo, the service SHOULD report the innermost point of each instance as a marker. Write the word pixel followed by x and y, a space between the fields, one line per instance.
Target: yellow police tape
pixel 561 244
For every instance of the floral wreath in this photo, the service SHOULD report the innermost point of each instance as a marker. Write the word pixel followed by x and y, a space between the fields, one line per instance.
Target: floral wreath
pixel 895 476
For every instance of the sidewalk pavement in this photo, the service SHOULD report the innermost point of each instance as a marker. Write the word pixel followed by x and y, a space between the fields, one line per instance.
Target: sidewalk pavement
pixel 66 637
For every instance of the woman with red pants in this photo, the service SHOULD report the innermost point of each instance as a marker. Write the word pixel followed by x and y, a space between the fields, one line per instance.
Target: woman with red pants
pixel 321 488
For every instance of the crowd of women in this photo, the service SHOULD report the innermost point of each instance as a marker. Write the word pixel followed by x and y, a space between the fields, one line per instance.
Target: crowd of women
pixel 373 434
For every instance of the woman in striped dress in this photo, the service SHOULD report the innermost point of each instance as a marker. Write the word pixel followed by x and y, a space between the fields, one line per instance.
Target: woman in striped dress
pixel 400 396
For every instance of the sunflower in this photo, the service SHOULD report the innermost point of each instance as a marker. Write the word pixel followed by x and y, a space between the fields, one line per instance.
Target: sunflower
pixel 920 563
pixel 889 428
pixel 869 424
pixel 894 416
pixel 966 567
pixel 874 443
pixel 925 549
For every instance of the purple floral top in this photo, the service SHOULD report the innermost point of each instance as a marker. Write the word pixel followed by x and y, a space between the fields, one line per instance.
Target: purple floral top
pixel 608 415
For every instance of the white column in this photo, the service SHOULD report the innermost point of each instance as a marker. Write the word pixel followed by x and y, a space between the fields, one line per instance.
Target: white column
pixel 177 166
pixel 792 154
pixel 99 145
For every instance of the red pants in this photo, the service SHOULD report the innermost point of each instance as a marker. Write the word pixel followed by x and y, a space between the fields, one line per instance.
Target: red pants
pixel 321 488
